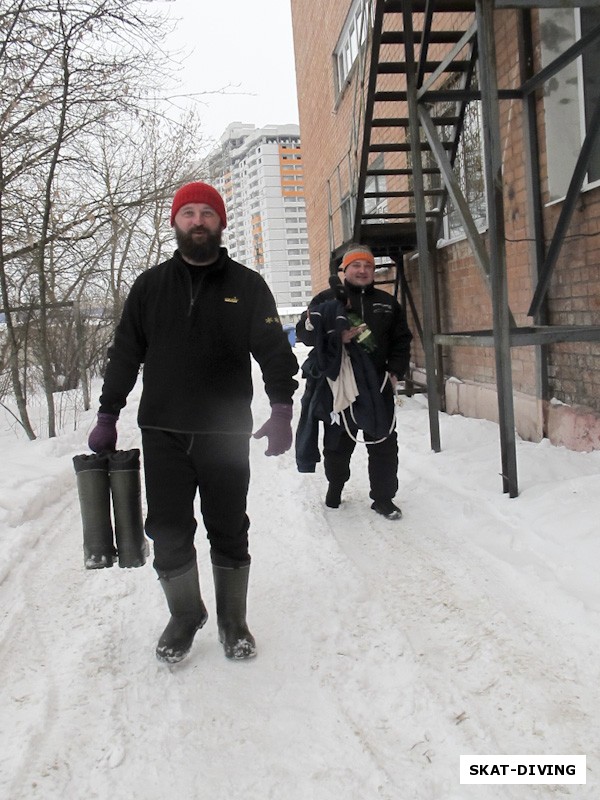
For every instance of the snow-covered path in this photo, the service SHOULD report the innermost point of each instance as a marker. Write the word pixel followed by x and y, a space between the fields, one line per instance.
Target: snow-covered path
pixel 386 649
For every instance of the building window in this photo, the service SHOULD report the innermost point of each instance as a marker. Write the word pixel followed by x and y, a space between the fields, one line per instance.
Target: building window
pixel 571 95
pixel 468 168
pixel 347 218
pixel 352 38
pixel 376 184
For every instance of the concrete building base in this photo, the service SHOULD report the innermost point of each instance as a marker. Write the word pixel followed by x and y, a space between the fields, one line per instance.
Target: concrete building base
pixel 574 427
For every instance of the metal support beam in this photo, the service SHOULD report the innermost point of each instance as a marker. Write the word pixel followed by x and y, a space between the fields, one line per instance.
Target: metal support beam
pixel 523 337
pixel 425 271
pixel 545 3
pixel 407 297
pixel 533 183
pixel 560 62
pixel 460 203
pixel 495 201
pixel 448 59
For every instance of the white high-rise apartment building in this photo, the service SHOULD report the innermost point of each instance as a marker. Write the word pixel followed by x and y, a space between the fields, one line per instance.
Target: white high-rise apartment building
pixel 259 173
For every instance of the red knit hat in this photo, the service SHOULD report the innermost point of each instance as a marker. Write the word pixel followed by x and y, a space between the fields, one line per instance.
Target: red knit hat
pixel 199 192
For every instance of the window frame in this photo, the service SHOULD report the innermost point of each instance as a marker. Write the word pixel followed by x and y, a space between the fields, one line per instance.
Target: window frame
pixel 455 232
pixel 583 99
pixel 477 204
pixel 352 39
pixel 347 216
pixel 376 183
pixel 565 132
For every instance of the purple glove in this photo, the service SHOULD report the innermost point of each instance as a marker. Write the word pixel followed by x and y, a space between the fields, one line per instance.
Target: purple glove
pixel 103 438
pixel 277 429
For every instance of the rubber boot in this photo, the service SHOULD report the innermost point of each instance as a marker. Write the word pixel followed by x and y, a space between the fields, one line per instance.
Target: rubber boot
pixel 188 613
pixel 333 498
pixel 231 589
pixel 94 499
pixel 126 490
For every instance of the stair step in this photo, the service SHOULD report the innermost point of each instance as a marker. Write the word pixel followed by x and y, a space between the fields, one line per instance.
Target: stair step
pixel 392 172
pixel 404 122
pixel 406 215
pixel 381 195
pixel 390 122
pixel 444 95
pixel 399 216
pixel 419 6
pixel 434 37
pixel 400 67
pixel 380 234
pixel 386 97
pixel 404 147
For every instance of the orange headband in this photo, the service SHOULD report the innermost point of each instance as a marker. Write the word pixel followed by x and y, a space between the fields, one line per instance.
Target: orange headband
pixel 355 255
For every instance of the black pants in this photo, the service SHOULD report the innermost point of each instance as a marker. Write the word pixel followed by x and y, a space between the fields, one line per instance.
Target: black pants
pixel 382 459
pixel 176 466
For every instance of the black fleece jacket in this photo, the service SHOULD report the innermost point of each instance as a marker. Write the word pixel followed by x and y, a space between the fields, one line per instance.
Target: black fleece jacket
pixel 384 316
pixel 195 341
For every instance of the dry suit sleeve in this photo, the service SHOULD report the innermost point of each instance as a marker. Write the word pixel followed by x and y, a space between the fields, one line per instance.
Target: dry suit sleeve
pixel 271 348
pixel 305 332
pixel 125 354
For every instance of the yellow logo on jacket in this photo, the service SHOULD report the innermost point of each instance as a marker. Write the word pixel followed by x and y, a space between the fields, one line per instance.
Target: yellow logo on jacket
pixel 231 299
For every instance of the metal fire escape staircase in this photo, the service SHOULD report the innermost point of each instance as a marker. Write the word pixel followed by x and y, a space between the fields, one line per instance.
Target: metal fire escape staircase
pixel 424 53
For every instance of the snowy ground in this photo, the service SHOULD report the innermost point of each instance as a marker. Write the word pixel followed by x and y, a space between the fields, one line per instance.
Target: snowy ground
pixel 386 649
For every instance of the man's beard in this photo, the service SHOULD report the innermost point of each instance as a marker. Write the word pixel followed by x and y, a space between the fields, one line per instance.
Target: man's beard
pixel 195 251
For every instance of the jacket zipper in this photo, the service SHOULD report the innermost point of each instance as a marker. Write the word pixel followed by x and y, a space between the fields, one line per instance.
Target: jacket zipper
pixel 194 295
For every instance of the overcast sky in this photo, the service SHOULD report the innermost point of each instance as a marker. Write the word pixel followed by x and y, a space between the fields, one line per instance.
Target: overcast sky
pixel 245 45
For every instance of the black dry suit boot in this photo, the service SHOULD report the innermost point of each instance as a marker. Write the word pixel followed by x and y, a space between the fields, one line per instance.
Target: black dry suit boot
pixel 387 509
pixel 231 589
pixel 188 612
pixel 333 497
pixel 125 487
pixel 94 498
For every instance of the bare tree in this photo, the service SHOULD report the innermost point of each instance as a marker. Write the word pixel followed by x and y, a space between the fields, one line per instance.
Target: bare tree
pixel 137 176
pixel 81 178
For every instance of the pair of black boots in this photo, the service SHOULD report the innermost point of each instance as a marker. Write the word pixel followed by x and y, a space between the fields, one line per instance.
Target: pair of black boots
pixel 102 478
pixel 189 614
pixel 386 508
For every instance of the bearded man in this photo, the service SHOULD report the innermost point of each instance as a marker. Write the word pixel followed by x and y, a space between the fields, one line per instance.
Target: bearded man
pixel 194 322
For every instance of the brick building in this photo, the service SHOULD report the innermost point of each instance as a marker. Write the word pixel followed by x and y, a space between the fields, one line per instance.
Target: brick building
pixel 549 193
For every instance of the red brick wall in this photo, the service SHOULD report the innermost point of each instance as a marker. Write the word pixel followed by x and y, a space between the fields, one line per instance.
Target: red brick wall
pixel 574 295
pixel 325 131
pixel 574 299
pixel 464 301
